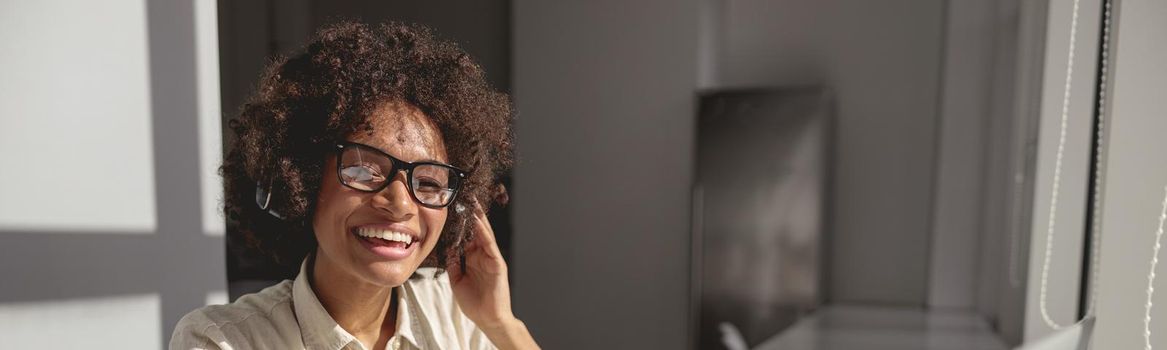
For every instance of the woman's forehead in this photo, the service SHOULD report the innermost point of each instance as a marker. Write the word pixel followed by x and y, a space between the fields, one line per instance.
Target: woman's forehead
pixel 404 131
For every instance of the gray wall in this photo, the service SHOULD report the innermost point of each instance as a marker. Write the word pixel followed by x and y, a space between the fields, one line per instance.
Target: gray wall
pixel 605 93
pixel 883 59
pixel 987 138
pixel 1135 177
pixel 961 145
pixel 1009 170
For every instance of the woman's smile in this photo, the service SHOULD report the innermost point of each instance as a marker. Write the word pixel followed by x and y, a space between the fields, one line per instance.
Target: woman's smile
pixel 389 241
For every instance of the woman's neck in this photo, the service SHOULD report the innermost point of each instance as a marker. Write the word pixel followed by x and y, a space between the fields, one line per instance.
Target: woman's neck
pixel 365 310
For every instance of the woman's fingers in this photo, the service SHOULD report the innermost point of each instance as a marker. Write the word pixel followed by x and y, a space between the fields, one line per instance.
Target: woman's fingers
pixel 484 233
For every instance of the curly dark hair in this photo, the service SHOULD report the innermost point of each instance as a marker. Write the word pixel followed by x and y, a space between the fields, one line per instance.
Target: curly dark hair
pixel 305 104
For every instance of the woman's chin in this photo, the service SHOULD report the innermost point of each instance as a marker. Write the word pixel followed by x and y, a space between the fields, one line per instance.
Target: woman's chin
pixel 390 273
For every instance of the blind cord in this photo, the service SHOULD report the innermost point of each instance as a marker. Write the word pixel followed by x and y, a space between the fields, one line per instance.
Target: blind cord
pixel 1053 205
pixel 1151 274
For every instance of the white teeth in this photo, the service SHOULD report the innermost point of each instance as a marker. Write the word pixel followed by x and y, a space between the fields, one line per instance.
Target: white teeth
pixel 385 235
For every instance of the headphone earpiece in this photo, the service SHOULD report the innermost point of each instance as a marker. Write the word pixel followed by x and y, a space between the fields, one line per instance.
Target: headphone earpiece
pixel 263 200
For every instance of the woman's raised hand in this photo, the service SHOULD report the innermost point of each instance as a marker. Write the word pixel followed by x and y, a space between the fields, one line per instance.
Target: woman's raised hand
pixel 482 290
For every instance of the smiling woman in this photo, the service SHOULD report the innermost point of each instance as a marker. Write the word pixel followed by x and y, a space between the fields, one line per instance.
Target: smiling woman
pixel 368 158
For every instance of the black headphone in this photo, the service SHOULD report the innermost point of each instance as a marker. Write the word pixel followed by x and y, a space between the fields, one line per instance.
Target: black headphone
pixel 263 199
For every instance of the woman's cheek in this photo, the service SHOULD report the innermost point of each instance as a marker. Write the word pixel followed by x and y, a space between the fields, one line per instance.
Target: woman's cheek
pixel 433 222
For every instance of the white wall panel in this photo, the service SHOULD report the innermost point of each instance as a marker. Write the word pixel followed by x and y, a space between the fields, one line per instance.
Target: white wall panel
pixel 75 136
pixel 121 322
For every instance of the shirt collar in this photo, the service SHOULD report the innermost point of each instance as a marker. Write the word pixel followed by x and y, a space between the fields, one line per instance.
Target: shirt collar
pixel 406 320
pixel 320 331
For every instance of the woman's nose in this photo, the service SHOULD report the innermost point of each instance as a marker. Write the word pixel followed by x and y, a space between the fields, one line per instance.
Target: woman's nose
pixel 395 199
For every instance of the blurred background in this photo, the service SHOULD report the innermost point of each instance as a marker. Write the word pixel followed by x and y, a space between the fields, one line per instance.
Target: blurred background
pixel 692 174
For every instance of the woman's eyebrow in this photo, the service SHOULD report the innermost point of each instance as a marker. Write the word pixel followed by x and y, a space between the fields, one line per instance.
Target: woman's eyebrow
pixel 431 160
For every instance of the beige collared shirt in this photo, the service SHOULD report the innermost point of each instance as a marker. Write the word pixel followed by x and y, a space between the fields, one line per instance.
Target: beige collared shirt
pixel 289 316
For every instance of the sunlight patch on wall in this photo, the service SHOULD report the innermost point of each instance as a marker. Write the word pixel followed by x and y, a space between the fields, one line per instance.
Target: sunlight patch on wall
pixel 76 137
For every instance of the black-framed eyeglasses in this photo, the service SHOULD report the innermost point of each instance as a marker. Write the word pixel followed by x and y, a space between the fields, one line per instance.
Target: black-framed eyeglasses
pixel 368 169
